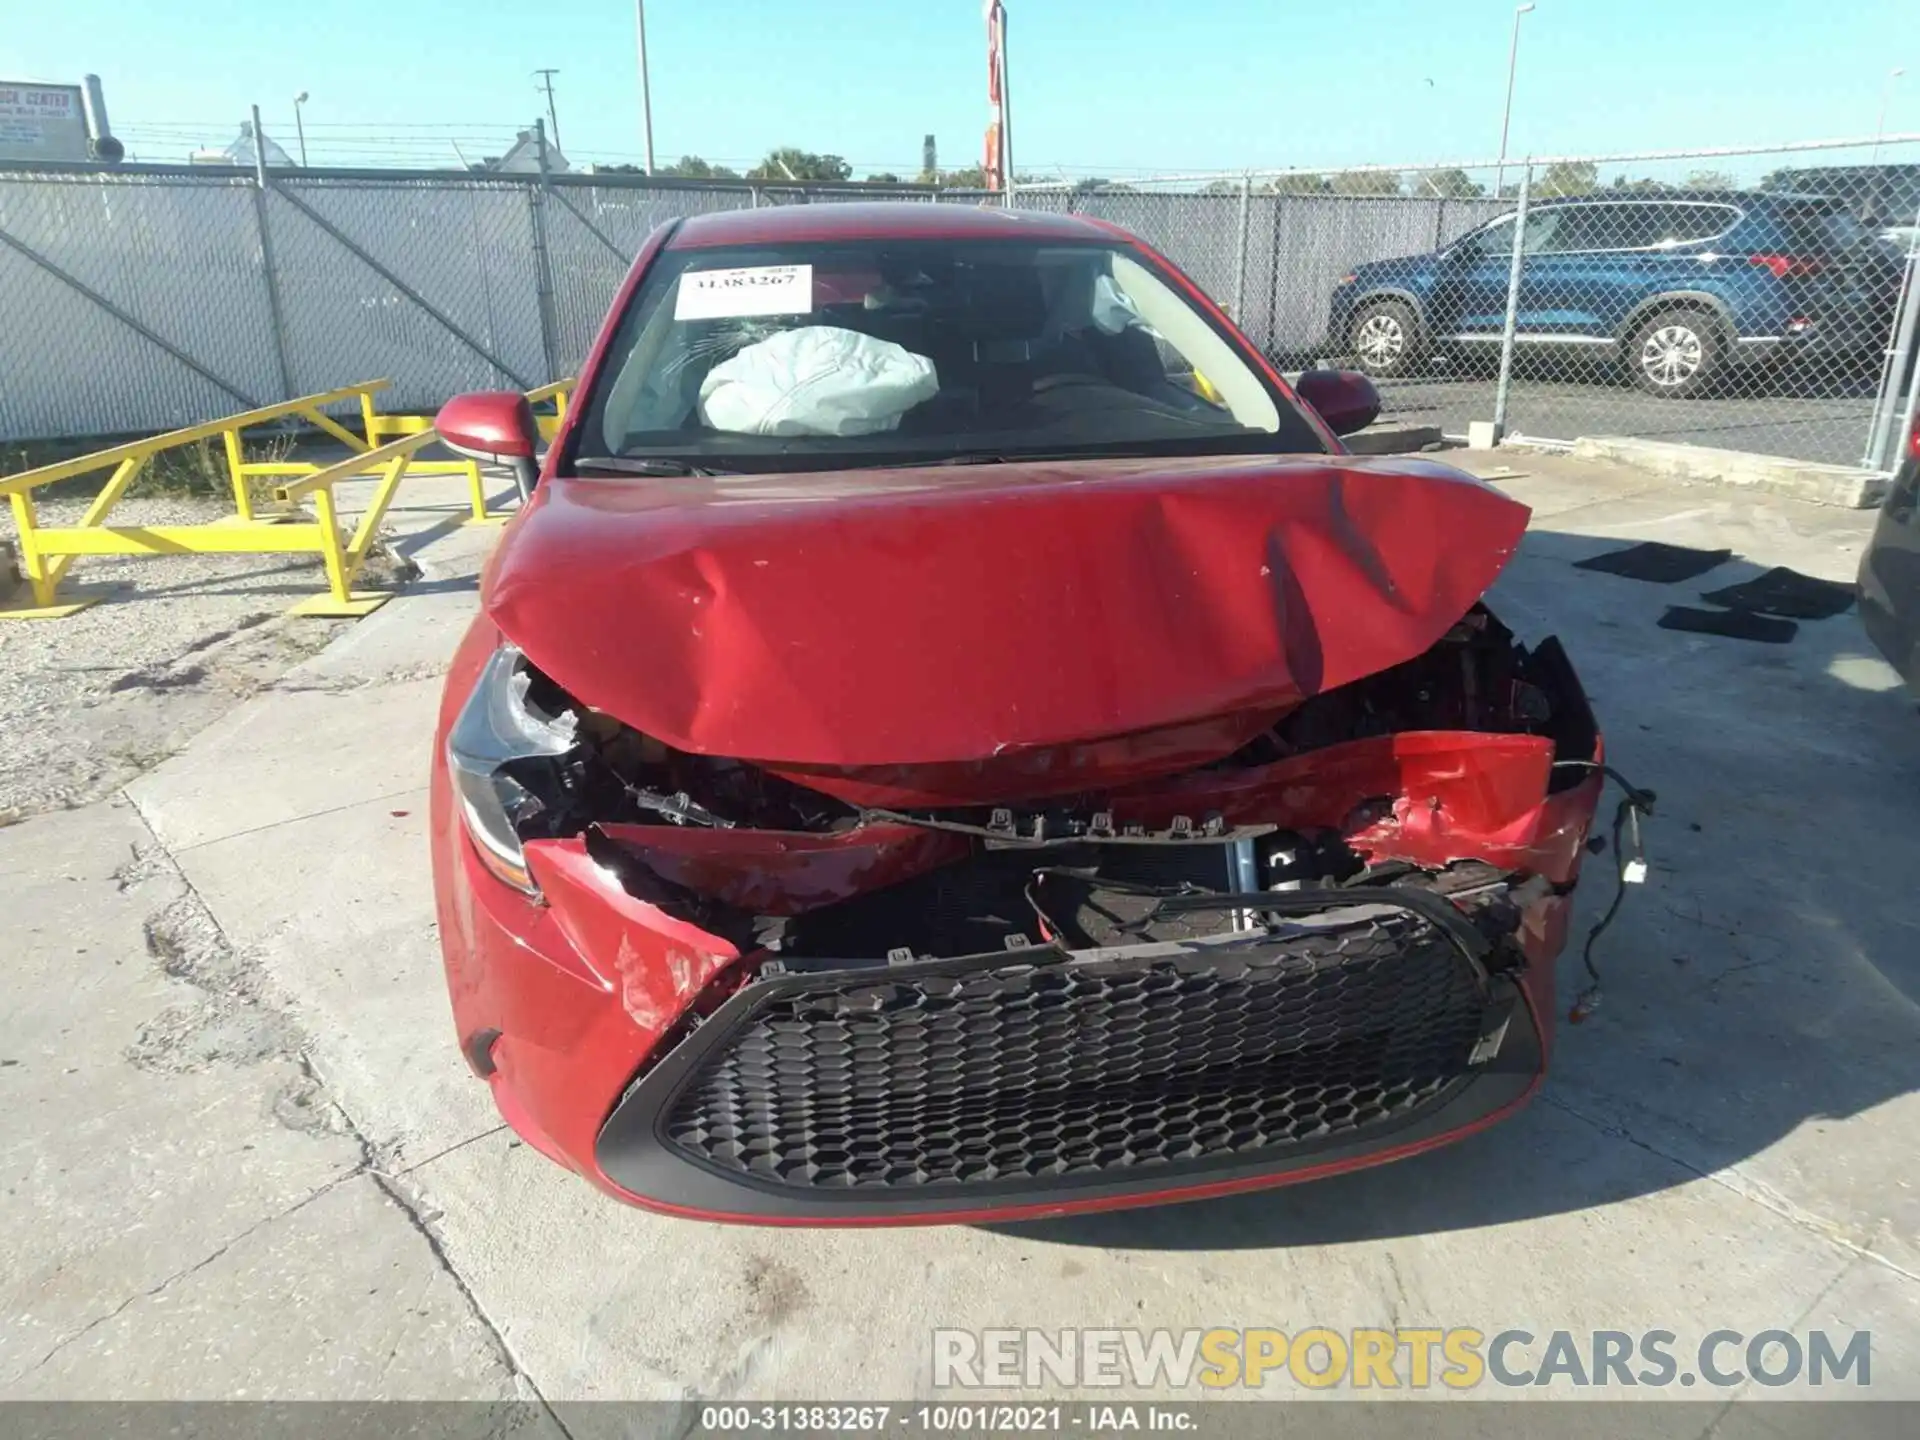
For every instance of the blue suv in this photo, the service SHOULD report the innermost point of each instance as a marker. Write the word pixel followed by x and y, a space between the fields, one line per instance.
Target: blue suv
pixel 1680 291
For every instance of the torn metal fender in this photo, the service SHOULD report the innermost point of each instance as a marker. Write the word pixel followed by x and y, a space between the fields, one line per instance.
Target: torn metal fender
pixel 656 963
pixel 1428 797
pixel 930 615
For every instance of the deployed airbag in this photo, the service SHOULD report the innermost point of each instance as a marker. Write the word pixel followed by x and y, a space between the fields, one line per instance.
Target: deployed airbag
pixel 816 380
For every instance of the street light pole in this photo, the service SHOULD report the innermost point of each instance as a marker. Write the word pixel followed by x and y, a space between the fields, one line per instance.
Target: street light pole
pixel 1506 115
pixel 300 126
pixel 646 91
pixel 1886 95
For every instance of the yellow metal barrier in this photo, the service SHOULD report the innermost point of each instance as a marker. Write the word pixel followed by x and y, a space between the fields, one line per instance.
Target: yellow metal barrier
pixel 379 427
pixel 47 552
pixel 343 562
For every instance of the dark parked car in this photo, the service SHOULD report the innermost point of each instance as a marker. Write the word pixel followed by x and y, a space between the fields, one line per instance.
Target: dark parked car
pixel 1885 197
pixel 1680 291
pixel 1890 570
pixel 952 735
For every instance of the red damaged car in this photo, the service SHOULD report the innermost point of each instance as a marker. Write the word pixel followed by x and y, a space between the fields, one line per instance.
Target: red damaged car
pixel 952 735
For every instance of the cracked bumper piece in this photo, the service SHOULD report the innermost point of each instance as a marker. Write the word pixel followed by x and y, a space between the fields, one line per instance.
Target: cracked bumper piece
pixel 1044 1081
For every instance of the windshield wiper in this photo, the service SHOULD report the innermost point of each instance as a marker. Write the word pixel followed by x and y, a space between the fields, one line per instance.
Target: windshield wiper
pixel 635 465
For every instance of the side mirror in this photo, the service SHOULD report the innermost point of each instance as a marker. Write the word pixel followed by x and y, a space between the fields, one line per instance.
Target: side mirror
pixel 1345 399
pixel 496 426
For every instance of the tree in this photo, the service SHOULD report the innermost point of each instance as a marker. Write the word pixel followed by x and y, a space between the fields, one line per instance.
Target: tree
pixel 1366 182
pixel 971 178
pixel 885 177
pixel 1568 177
pixel 1711 180
pixel 1296 185
pixel 692 167
pixel 788 163
pixel 1452 184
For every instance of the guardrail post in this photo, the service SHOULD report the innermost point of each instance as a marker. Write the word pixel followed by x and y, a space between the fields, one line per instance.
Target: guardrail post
pixel 33 564
pixel 276 325
pixel 477 494
pixel 236 471
pixel 542 265
pixel 1510 326
pixel 332 553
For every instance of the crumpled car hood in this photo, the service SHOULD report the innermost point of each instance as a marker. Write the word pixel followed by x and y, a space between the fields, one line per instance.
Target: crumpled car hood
pixel 925 616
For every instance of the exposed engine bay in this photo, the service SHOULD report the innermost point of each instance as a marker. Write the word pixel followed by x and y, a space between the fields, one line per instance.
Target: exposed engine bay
pixel 1294 821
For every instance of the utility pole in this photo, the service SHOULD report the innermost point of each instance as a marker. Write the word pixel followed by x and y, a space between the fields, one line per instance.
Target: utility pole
pixel 646 91
pixel 553 120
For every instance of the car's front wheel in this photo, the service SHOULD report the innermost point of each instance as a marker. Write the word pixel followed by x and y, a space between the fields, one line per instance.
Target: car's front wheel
pixel 1384 339
pixel 1676 354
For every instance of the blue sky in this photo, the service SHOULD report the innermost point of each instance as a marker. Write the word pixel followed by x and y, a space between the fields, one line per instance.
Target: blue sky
pixel 1114 87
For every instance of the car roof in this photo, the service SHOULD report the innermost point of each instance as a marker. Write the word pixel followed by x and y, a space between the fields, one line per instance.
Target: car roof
pixel 1743 199
pixel 865 220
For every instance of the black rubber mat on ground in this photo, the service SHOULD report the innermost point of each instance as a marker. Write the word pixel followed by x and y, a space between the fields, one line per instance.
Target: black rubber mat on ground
pixel 1655 563
pixel 1786 592
pixel 1734 624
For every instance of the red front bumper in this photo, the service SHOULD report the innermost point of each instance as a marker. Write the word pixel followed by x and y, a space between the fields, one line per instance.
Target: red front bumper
pixel 562 1004
pixel 564 1030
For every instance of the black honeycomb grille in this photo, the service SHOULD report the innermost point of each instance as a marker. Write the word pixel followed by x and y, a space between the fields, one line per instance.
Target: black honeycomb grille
pixel 1000 1069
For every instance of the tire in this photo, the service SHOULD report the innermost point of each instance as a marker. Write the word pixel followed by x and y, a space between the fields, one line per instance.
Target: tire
pixel 1384 339
pixel 1676 354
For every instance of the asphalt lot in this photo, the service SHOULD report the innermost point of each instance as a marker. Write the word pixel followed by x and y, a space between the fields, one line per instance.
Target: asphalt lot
pixel 1799 419
pixel 241 1156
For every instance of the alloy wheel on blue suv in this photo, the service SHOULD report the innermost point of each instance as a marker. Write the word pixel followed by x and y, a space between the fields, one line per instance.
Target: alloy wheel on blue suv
pixel 1384 338
pixel 1676 294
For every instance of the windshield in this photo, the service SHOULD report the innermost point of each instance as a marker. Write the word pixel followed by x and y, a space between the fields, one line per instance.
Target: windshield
pixel 817 356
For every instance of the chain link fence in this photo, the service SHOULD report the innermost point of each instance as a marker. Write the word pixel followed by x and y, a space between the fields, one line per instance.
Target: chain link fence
pixel 1756 300
pixel 146 298
pixel 1751 300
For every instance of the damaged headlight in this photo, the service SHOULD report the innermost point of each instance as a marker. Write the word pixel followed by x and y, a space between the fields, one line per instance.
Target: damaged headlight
pixel 500 731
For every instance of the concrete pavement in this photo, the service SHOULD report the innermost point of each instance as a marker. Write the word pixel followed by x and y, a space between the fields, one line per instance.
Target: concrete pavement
pixel 246 1156
pixel 1819 418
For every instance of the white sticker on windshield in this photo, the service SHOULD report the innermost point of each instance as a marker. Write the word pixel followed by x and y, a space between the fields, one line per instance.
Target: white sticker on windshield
pixel 754 290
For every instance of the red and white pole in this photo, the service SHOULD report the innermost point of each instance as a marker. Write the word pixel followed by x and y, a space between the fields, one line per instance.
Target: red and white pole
pixel 998 160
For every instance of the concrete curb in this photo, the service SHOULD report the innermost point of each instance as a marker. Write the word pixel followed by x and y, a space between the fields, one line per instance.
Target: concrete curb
pixel 1392 439
pixel 1841 485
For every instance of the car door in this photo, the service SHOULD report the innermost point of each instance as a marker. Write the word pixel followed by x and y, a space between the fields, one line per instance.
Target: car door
pixel 1483 278
pixel 1470 291
pixel 1576 270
